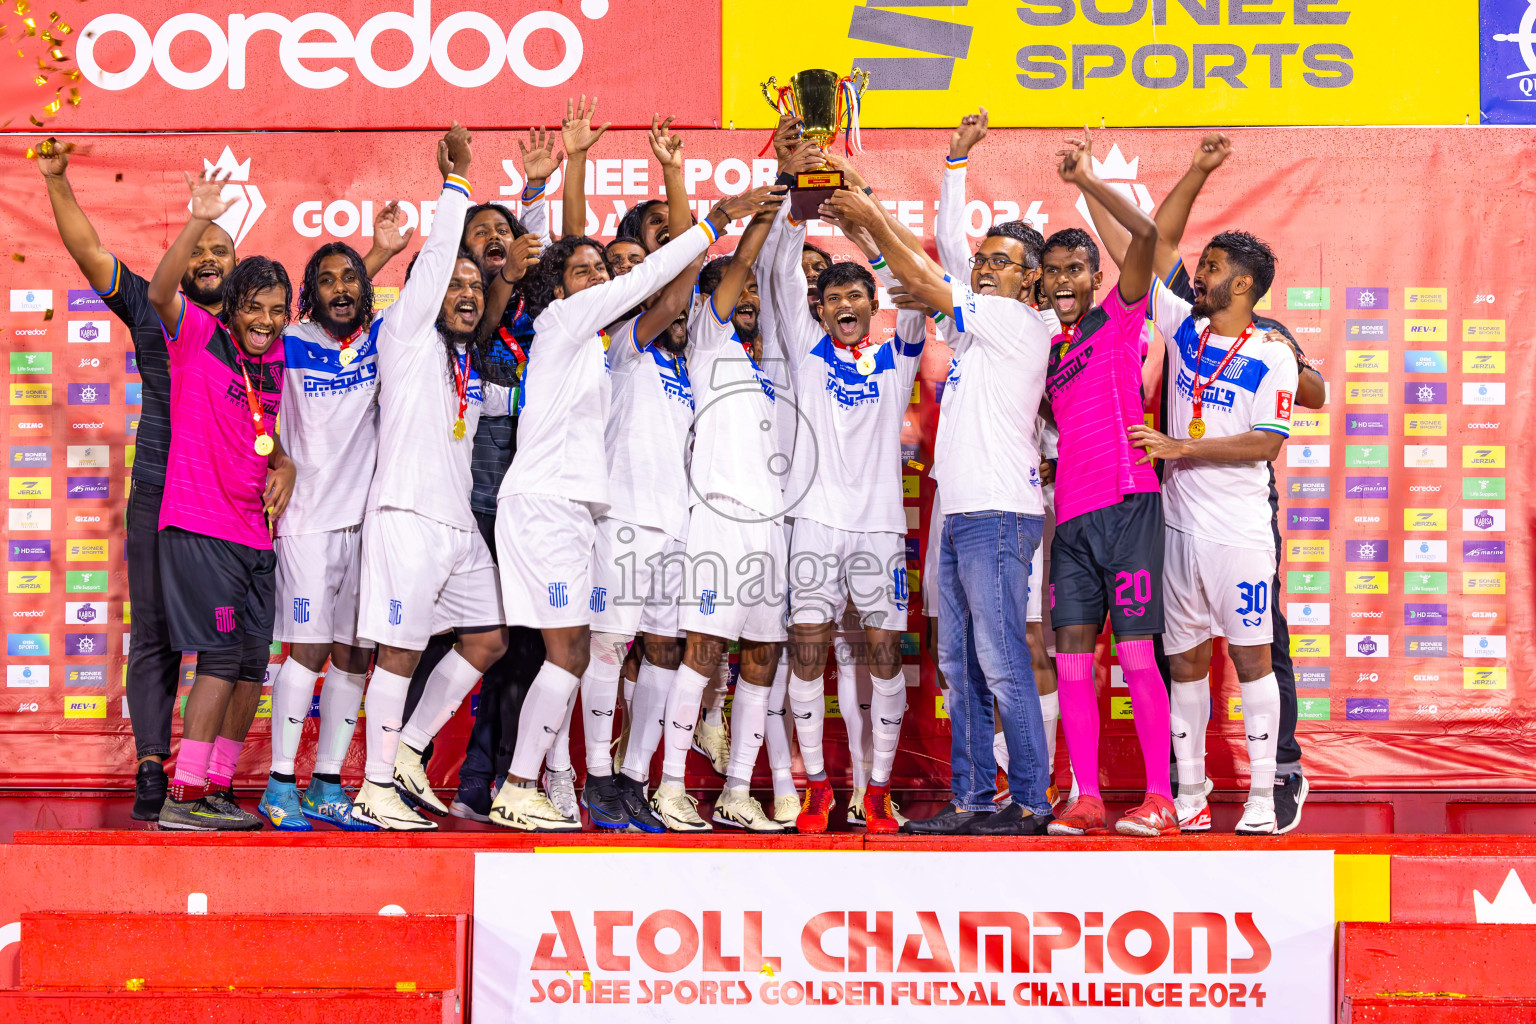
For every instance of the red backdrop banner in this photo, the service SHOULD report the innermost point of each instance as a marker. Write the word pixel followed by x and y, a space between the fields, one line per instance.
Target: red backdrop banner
pixel 1404 507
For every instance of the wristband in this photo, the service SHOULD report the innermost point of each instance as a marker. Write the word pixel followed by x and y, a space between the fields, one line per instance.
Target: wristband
pixel 710 230
pixel 785 178
pixel 955 163
pixel 458 183
pixel 868 191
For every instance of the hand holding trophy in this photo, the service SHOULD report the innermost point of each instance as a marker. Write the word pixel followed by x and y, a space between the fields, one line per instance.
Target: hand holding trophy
pixel 824 102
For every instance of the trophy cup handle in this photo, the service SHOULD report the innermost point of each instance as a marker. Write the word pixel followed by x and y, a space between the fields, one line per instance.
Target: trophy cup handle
pixel 861 77
pixel 770 92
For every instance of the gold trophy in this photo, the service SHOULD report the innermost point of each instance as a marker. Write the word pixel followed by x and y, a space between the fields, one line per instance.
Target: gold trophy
pixel 823 101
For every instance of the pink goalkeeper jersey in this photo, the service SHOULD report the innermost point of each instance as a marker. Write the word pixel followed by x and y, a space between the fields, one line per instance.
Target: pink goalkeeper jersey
pixel 1094 385
pixel 214 479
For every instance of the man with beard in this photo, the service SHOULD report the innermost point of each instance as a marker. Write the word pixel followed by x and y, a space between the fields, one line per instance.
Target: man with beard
pixel 558 484
pixel 984 461
pixel 154 666
pixel 425 567
pixel 507 247
pixel 1229 405
pixel 848 540
pixel 216 561
pixel 1190 700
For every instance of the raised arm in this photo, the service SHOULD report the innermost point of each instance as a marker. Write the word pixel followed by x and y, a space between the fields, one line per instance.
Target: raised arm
pixel 389 239
pixel 540 161
pixel 579 136
pixel 1136 271
pixel 75 229
pixel 164 290
pixel 949 226
pixel 923 279
pixel 668 150
pixel 421 297
pixel 1173 214
pixel 728 291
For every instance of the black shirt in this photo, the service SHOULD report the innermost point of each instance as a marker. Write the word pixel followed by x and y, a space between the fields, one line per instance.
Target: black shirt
pixel 128 298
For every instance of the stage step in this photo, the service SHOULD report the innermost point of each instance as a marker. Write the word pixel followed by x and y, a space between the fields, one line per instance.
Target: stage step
pixel 31 1007
pixel 359 952
pixel 1437 1011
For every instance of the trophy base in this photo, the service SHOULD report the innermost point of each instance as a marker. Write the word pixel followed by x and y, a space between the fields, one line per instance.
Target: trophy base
pixel 810 190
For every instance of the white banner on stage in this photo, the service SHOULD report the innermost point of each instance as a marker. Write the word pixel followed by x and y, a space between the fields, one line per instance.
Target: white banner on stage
pixel 768 936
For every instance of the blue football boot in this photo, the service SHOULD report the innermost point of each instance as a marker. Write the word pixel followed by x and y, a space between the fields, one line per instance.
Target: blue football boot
pixel 328 802
pixel 280 805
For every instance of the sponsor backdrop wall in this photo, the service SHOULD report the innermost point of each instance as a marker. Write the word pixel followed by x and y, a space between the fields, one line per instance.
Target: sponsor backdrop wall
pixel 1404 501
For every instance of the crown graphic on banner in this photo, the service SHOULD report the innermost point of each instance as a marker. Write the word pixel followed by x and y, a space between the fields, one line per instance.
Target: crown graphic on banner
pixel 1116 167
pixel 248 203
pixel 1511 906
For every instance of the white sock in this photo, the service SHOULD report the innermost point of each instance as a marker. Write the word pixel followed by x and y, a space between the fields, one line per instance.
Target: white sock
pixel 1000 751
pixel 1261 726
pixel 292 693
pixel 629 695
pixel 888 703
pixel 719 688
pixel 599 695
pixel 558 759
pixel 682 715
pixel 854 697
pixel 649 718
pixel 446 689
pixel 780 757
pixel 543 715
pixel 1050 712
pixel 749 723
pixel 385 706
pixel 807 702
pixel 1190 704
pixel 341 697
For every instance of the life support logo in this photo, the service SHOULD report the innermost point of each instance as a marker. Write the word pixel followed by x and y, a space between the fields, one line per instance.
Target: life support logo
pixel 326 62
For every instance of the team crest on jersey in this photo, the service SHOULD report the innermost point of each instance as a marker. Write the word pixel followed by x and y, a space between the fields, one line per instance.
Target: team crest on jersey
pixel 599 600
pixel 1283 405
pixel 673 371
pixel 557 595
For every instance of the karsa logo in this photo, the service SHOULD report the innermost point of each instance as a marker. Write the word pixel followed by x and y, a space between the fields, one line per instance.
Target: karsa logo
pixel 429 45
pixel 84 613
pixel 1483 520
pixel 94 332
pixel 1366 645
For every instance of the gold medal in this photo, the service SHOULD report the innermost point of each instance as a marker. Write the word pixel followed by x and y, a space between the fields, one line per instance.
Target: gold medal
pixel 347 356
pixel 865 364
pixel 264 444
pixel 1197 428
pixel 459 429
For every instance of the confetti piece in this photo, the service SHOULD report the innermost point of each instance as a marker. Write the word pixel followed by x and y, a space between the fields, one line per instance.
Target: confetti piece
pixel 135 984
pixel 22 7
pixel 586 981
pixel 34 120
pixel 65 30
pixel 40 79
pixel 766 969
pixel 405 986
pixel 31 24
pixel 31 153
pixel 74 97
pixel 47 314
pixel 18 257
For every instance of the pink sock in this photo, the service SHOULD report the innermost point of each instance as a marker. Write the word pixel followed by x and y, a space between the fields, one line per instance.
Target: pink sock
pixel 221 764
pixel 1149 709
pixel 192 762
pixel 1080 718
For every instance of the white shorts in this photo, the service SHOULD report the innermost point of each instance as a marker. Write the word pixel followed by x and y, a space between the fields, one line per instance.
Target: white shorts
pixel 659 616
pixel 1213 590
pixel 627 573
pixel 545 543
pixel 318 575
pixel 422 577
pixel 733 584
pixel 828 567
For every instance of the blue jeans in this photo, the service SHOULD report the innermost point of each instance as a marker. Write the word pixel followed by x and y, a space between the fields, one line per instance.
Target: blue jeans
pixel 983 603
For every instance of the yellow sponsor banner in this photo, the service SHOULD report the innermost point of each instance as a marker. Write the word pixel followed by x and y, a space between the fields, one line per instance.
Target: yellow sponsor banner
pixel 1366 582
pixel 129 451
pixel 1060 62
pixel 20 581
pixel 1120 708
pixel 1417 332
pixel 1424 424
pixel 1487 456
pixel 1482 583
pixel 1482 330
pixel 264 706
pixel 1306 551
pixel 1309 423
pixel 24 487
pixel 1482 362
pixel 1424 298
pixel 1234 709
pixel 910 486
pixel 1424 519
pixel 939 710
pixel 31 394
pixel 1309 646
pixel 1493 678
pixel 1366 360
pixel 1359 392
pixel 85 707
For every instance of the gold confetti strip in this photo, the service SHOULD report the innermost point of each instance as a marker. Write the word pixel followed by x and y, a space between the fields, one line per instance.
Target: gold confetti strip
pixel 22 7
pixel 18 257
pixel 586 981
pixel 74 97
pixel 34 120
pixel 47 314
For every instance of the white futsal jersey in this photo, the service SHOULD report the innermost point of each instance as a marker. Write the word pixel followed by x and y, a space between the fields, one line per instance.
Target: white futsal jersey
pixel 647 434
pixel 847 467
pixel 735 419
pixel 561 448
pixel 1222 502
pixel 426 468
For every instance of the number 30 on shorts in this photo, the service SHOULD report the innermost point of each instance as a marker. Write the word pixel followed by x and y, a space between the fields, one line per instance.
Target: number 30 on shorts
pixel 1255 598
